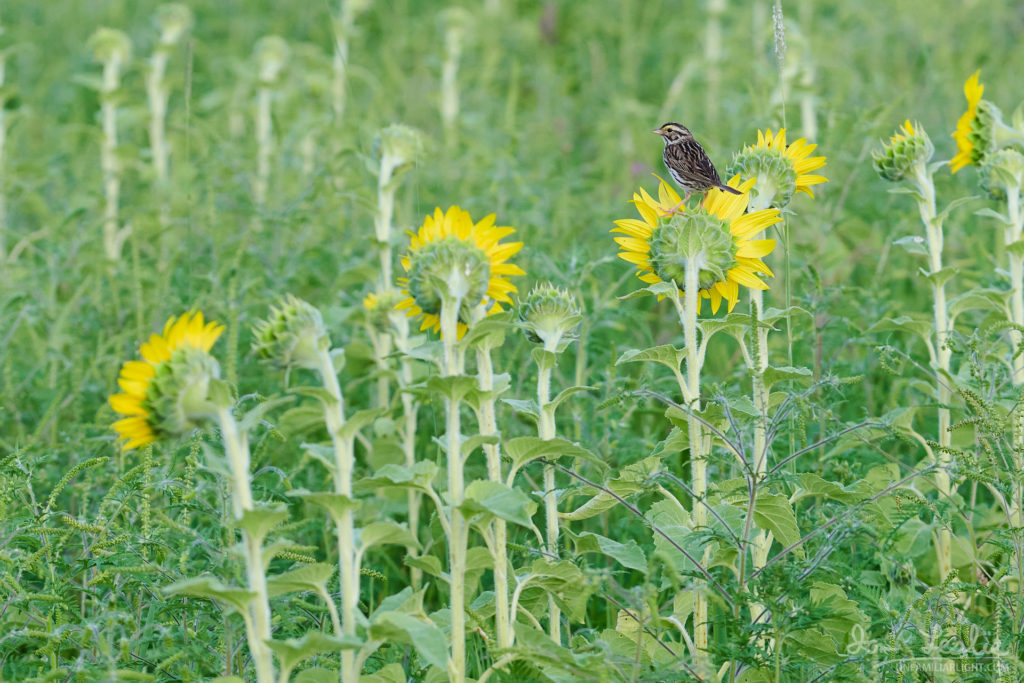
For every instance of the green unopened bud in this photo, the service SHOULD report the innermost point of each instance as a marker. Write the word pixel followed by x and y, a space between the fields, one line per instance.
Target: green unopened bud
pixel 906 154
pixel 694 239
pixel 451 269
pixel 271 55
pixel 174 21
pixel 550 316
pixel 179 397
pixel 775 173
pixel 1003 172
pixel 292 336
pixel 398 146
pixel 110 45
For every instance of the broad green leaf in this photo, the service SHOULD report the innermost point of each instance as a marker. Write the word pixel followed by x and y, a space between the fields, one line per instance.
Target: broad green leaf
pixel 904 323
pixel 842 613
pixel 317 674
pixel 211 587
pixel 628 554
pixel 564 582
pixel 658 289
pixel 914 244
pixel 418 476
pixel 255 415
pixel 261 520
pixel 979 300
pixel 428 563
pixel 677 441
pixel 536 647
pixel 334 503
pixel 524 449
pixel 566 393
pixel 526 407
pixel 488 333
pixel 292 651
pixel 229 679
pixel 492 498
pixel 772 512
pixel 310 577
pixel 940 277
pixel 392 673
pixel 959 201
pixel 545 360
pixel 666 355
pixel 385 532
pixel 477 441
pixel 813 485
pixel 421 633
pixel 319 393
pixel 772 375
pixel 1016 248
pixel 453 388
pixel 358 420
pixel 632 479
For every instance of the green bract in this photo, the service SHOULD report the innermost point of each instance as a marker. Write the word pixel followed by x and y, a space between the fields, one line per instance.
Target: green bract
pixel 775 173
pixel 292 336
pixel 692 238
pixel 549 315
pixel 448 268
pixel 907 150
pixel 179 397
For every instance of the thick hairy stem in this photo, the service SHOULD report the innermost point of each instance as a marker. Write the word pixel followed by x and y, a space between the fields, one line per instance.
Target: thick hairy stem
pixel 761 542
pixel 334 416
pixel 112 237
pixel 456 485
pixel 489 427
pixel 698 463
pixel 3 188
pixel 933 233
pixel 237 449
pixel 264 143
pixel 409 408
pixel 546 430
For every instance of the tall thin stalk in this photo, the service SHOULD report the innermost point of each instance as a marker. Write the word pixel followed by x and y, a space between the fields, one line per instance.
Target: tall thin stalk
pixel 546 430
pixel 271 57
pixel 3 179
pixel 236 447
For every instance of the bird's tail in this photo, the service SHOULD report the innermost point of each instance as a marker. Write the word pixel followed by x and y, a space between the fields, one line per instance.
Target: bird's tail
pixel 731 190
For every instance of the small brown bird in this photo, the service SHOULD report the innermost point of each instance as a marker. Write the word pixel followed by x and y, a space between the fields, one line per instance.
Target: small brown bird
pixel 688 163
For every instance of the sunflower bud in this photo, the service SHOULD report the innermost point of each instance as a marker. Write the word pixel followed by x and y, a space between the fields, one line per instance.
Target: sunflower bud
pixel 776 176
pixel 1003 173
pixel 292 336
pixel 271 55
pixel 174 21
pixel 110 45
pixel 450 269
pixel 694 239
pixel 180 393
pixel 906 154
pixel 550 316
pixel 398 146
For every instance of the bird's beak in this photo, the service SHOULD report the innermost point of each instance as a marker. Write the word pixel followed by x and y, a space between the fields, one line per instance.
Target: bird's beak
pixel 658 131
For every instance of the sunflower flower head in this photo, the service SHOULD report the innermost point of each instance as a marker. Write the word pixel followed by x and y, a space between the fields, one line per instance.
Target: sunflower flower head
pixel 271 54
pixel 174 388
pixel 292 336
pixel 379 307
pixel 452 259
pixel 781 170
pixel 1003 173
pixel 981 131
pixel 550 316
pixel 398 146
pixel 906 154
pixel 717 239
pixel 173 20
pixel 110 45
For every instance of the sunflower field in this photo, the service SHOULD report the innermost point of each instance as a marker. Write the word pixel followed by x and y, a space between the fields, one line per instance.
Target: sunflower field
pixel 374 342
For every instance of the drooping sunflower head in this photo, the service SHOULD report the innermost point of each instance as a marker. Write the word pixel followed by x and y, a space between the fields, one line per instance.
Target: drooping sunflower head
pixel 967 131
pixel 716 238
pixel 907 152
pixel 166 393
pixel 452 258
pixel 550 315
pixel 781 170
pixel 292 336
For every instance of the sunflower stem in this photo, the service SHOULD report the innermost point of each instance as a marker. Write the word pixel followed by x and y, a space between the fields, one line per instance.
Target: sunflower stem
pixel 113 236
pixel 334 416
pixel 489 427
pixel 933 234
pixel 409 411
pixel 698 464
pixel 546 431
pixel 236 448
pixel 456 485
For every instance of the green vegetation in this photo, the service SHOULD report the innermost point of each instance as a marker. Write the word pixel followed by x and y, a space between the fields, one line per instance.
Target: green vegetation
pixel 594 480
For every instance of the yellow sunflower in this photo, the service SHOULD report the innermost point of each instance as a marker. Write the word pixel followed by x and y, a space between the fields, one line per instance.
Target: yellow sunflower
pixel 781 170
pixel 718 234
pixel 973 90
pixel 451 256
pixel 139 427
